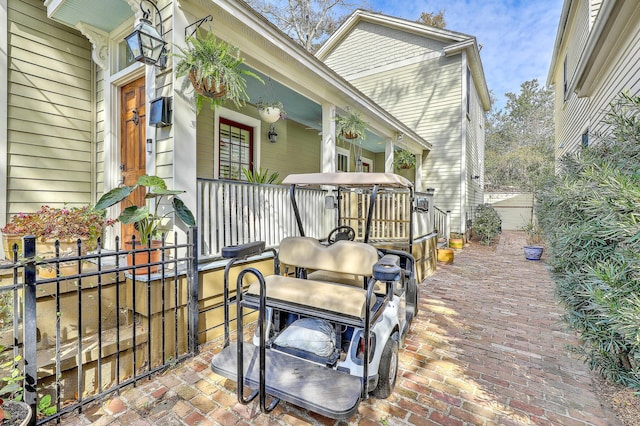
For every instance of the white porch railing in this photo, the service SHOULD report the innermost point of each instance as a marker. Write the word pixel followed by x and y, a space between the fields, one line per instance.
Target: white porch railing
pixel 233 212
pixel 442 221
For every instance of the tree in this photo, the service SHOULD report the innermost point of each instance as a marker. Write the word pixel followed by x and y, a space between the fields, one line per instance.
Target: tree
pixel 519 139
pixel 433 19
pixel 309 22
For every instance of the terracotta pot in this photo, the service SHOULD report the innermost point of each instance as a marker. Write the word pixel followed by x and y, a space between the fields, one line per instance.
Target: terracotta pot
pixel 269 114
pixel 349 135
pixel 445 256
pixel 8 240
pixel 204 89
pixel 143 258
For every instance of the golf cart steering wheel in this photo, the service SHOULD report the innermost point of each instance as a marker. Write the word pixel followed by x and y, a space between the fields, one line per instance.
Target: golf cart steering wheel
pixel 343 232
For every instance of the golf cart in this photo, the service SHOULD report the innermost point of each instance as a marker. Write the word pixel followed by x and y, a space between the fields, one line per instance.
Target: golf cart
pixel 332 316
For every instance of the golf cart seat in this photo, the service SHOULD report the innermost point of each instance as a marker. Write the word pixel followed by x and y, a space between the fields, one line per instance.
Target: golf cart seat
pixel 325 298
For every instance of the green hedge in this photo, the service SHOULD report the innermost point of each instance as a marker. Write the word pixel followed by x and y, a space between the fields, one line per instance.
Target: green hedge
pixel 590 216
pixel 487 224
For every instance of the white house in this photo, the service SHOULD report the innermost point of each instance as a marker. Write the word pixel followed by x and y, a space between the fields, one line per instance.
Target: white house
pixel 432 80
pixel 595 58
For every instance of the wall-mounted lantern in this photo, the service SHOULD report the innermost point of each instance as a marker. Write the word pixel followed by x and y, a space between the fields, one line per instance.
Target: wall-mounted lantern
pixel 272 135
pixel 145 42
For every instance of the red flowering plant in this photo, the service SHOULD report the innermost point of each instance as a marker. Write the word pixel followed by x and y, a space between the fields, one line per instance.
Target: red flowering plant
pixel 64 225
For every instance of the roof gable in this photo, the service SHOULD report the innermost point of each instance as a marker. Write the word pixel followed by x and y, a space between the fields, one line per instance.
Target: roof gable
pixel 447 41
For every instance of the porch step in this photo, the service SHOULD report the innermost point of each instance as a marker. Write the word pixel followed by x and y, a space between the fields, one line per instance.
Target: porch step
pixel 320 389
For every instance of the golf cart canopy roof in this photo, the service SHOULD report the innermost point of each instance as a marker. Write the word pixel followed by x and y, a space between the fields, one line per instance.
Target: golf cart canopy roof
pixel 348 179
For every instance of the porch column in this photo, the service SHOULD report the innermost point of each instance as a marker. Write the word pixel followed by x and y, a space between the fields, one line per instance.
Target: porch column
pixel 418 176
pixel 388 156
pixel 328 154
pixel 184 126
pixel 3 110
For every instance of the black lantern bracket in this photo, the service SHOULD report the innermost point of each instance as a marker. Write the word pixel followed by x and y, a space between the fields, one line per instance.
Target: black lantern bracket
pixel 145 42
pixel 197 24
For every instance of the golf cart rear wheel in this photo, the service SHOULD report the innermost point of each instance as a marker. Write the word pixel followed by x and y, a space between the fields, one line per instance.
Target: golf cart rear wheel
pixel 387 370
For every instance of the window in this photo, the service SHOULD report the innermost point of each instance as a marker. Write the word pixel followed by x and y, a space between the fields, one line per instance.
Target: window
pixel 236 149
pixel 565 78
pixel 342 160
pixel 366 165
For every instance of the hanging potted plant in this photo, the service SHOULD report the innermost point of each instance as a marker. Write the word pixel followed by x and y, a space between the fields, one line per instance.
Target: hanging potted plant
pixel 271 112
pixel 215 71
pixel 403 159
pixel 351 125
pixel 146 219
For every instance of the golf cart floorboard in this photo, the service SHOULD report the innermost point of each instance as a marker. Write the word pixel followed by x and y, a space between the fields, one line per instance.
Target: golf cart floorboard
pixel 328 392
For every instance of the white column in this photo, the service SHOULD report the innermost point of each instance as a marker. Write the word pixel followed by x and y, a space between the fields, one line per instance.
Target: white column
pixel 328 154
pixel 418 176
pixel 388 156
pixel 184 126
pixel 3 110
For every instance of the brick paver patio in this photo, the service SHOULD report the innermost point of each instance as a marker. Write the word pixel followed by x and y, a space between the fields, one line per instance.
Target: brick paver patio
pixel 487 348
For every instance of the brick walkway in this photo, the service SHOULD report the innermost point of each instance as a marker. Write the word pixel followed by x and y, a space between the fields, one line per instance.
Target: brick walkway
pixel 487 348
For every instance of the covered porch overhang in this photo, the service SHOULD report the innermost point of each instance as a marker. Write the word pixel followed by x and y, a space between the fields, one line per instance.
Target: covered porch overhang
pixel 312 93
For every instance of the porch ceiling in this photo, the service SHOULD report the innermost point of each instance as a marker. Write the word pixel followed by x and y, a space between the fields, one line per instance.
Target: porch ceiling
pixel 101 14
pixel 300 108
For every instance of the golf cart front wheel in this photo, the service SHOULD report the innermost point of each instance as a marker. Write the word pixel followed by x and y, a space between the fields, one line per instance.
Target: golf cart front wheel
pixel 387 370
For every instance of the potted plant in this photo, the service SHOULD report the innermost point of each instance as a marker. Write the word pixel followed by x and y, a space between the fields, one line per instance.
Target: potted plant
pixel 403 159
pixel 533 250
pixel 64 225
pixel 456 240
pixel 215 71
pixel 13 411
pixel 271 111
pixel 350 125
pixel 146 219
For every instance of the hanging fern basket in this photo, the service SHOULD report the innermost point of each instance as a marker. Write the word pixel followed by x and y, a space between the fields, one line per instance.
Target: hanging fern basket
pixel 348 135
pixel 201 86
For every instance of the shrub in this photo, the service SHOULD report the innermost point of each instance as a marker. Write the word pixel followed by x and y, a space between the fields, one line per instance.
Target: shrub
pixel 589 214
pixel 487 224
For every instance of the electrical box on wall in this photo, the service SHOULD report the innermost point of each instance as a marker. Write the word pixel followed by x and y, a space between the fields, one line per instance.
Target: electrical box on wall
pixel 160 112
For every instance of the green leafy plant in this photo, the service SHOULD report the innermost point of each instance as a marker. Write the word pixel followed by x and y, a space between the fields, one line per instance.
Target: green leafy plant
pixel 45 407
pixel 351 125
pixel 261 176
pixel 12 378
pixel 589 217
pixel 403 159
pixel 65 224
pixel 487 224
pixel 146 219
pixel 214 68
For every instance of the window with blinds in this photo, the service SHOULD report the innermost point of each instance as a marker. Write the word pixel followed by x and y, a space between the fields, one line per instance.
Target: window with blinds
pixel 236 149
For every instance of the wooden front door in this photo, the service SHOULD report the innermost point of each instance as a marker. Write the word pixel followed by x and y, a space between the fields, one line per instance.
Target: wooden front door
pixel 132 144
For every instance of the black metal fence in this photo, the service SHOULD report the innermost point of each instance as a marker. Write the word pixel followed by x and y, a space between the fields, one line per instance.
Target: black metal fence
pixel 84 324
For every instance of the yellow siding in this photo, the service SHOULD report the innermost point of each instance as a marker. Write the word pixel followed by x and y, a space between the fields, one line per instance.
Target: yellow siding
pixel 49 123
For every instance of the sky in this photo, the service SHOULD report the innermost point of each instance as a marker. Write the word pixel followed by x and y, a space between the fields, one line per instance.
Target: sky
pixel 516 36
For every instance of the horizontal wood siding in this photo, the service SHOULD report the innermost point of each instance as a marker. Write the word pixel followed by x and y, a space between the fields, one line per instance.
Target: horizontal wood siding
pixel 101 116
pixel 371 46
pixel 427 97
pixel 623 75
pixel 571 113
pixel 297 149
pixel 49 126
pixel 475 153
